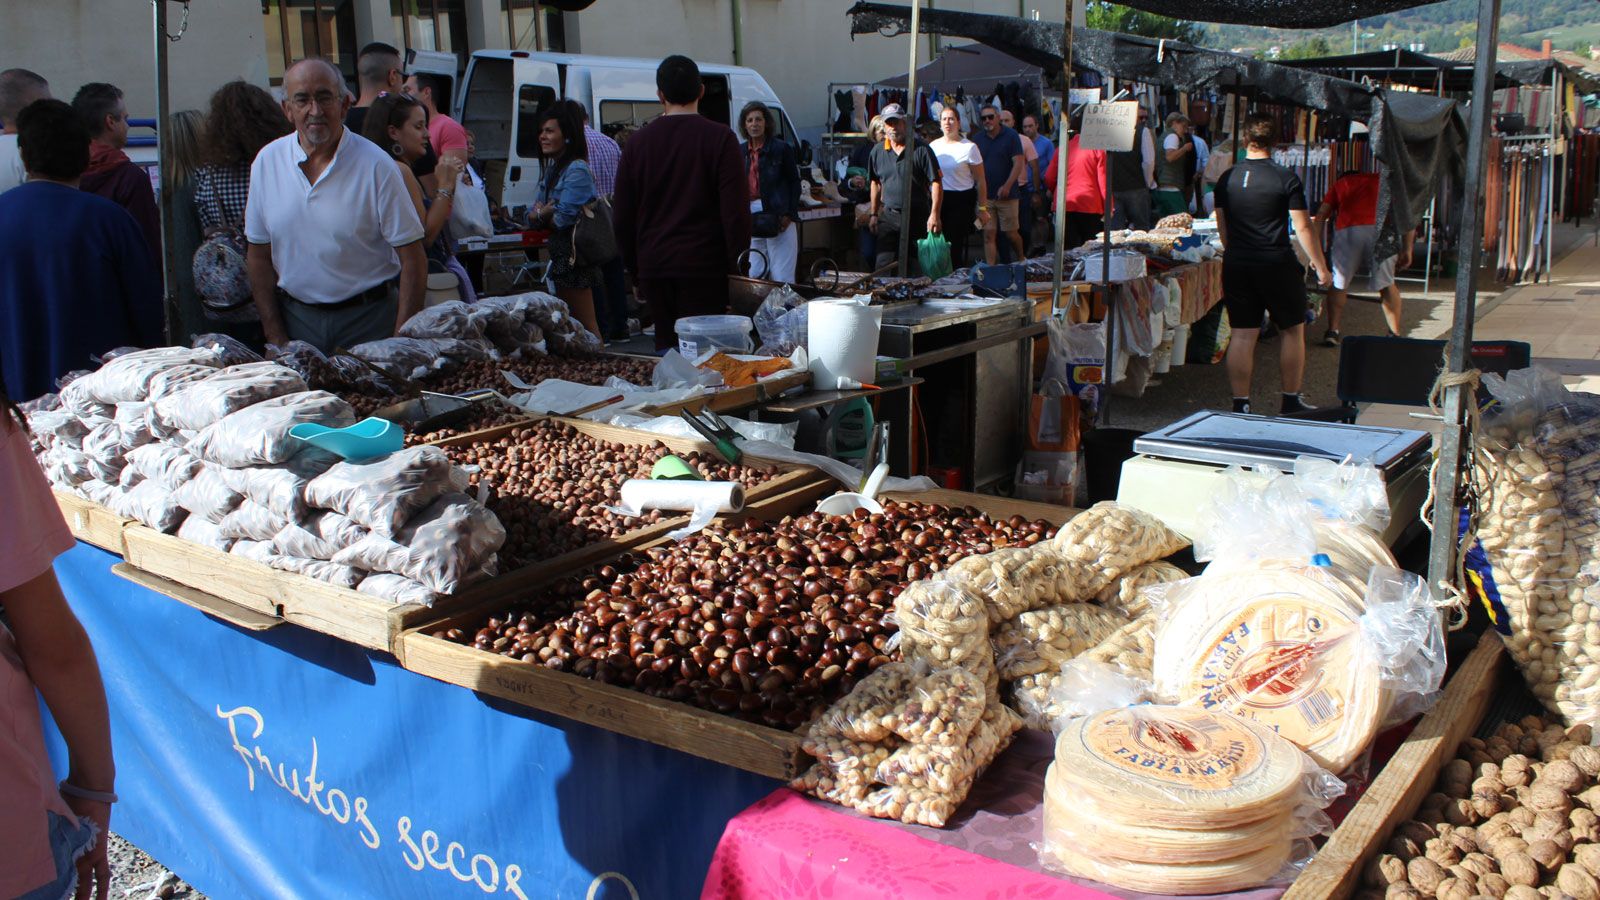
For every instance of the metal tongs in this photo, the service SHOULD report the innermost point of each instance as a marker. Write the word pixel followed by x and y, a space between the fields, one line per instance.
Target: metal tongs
pixel 717 431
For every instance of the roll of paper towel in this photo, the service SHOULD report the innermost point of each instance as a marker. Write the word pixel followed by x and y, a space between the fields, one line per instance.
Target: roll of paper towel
pixel 641 494
pixel 842 338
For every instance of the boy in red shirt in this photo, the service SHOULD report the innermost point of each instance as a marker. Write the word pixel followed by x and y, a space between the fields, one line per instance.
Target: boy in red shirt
pixel 1354 199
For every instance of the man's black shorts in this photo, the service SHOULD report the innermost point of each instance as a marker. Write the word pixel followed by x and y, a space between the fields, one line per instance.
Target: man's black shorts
pixel 1249 291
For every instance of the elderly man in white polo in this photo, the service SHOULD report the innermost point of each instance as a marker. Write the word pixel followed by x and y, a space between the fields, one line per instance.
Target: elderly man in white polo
pixel 335 255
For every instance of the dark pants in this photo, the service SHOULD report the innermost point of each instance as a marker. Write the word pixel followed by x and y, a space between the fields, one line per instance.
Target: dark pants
pixel 671 299
pixel 889 238
pixel 1083 228
pixel 1025 217
pixel 957 215
pixel 1133 210
pixel 611 302
pixel 330 329
pixel 867 244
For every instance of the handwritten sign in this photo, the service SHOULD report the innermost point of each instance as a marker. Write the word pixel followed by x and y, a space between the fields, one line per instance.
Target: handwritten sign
pixel 1109 126
pixel 1080 96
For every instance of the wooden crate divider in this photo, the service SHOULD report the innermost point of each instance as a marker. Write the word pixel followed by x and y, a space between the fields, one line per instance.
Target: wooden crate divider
pixel 211 605
pixel 1408 777
pixel 92 523
pixel 745 745
pixel 734 399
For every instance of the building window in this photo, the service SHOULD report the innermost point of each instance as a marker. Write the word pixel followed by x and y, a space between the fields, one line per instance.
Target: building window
pixel 520 25
pixel 432 25
pixel 298 29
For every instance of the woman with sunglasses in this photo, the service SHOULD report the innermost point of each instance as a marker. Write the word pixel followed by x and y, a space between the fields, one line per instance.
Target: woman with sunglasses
pixel 966 196
pixel 399 124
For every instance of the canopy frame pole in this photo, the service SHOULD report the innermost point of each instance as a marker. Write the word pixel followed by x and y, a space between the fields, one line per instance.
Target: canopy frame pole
pixel 1550 175
pixel 1443 549
pixel 907 203
pixel 1063 159
pixel 169 268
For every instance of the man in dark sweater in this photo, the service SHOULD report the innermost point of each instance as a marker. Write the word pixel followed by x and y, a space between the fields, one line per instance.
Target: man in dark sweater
pixel 111 174
pixel 682 205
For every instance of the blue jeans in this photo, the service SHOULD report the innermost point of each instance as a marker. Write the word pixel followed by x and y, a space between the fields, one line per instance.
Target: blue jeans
pixel 69 841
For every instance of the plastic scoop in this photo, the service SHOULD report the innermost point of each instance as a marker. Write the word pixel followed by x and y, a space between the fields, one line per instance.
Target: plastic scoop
pixel 671 468
pixel 366 439
pixel 847 502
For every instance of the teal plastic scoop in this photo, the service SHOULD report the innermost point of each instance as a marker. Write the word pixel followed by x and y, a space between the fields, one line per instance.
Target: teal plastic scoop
pixel 366 439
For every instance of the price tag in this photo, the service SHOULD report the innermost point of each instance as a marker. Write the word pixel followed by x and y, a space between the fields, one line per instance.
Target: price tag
pixel 1109 126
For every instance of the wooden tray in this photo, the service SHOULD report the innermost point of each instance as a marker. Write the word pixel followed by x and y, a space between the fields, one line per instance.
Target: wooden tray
pixel 745 745
pixel 92 523
pixel 1408 777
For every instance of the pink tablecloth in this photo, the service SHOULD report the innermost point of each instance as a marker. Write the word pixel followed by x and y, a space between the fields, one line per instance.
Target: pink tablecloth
pixel 791 847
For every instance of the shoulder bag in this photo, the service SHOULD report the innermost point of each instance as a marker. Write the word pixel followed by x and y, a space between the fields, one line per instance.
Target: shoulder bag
pixel 220 275
pixel 594 243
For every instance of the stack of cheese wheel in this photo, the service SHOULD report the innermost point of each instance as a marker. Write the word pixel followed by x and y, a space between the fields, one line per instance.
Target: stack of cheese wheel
pixel 1279 646
pixel 1356 549
pixel 1171 800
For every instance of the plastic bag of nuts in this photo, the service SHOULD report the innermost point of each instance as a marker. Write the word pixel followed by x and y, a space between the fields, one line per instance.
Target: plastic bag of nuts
pixel 1041 640
pixel 1113 540
pixel 1540 533
pixel 1011 580
pixel 1127 594
pixel 944 625
pixel 281 488
pixel 258 435
pixel 207 495
pixel 321 537
pixel 385 493
pixel 442 546
pixel 198 404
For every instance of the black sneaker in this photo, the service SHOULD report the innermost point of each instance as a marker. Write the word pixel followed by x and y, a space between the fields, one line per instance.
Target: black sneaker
pixel 1331 339
pixel 1241 405
pixel 1294 403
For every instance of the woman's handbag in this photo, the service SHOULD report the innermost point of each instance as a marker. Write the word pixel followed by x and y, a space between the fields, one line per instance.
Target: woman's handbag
pixel 220 276
pixel 594 242
pixel 766 225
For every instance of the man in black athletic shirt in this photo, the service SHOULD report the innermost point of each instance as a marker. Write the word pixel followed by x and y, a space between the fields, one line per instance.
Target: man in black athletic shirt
pixel 1260 272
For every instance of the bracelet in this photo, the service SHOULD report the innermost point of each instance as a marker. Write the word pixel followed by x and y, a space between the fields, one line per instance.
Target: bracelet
pixel 72 790
pixel 445 193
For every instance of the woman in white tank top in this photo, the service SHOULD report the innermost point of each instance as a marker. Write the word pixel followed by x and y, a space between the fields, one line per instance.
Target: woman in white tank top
pixel 966 200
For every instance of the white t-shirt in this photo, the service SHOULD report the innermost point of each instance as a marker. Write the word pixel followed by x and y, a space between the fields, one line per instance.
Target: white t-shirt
pixel 336 238
pixel 956 159
pixel 11 171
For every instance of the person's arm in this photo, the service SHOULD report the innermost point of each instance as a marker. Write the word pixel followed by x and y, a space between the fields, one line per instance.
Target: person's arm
pixel 790 166
pixel 1307 234
pixel 1017 162
pixel 264 288
pixel 1173 154
pixel 935 220
pixel 734 193
pixel 1406 251
pixel 413 281
pixel 624 211
pixel 140 200
pixel 61 663
pixel 574 189
pixel 434 217
pixel 874 210
pixel 1052 173
pixel 1321 219
pixel 1222 227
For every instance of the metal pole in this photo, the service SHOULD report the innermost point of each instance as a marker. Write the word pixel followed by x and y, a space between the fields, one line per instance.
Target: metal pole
pixel 738 33
pixel 1550 176
pixel 910 125
pixel 1105 290
pixel 1447 478
pixel 169 269
pixel 538 26
pixel 1063 158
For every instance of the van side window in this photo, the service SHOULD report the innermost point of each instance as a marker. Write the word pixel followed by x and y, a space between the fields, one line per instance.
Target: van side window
pixel 532 102
pixel 627 115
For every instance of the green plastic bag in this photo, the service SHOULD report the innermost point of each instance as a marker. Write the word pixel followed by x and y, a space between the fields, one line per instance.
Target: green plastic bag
pixel 933 252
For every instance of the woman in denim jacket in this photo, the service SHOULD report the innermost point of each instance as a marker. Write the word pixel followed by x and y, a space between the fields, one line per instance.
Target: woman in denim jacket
pixel 566 187
pixel 773 174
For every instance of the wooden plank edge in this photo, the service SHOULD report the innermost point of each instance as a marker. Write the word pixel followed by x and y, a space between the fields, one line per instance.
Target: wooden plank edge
pixel 1406 779
pixel 92 523
pixel 231 613
pixel 744 745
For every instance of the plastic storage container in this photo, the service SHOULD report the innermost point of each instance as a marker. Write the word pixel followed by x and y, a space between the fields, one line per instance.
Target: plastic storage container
pixel 698 334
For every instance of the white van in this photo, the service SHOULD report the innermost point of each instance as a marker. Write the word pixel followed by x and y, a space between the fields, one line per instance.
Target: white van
pixel 506 92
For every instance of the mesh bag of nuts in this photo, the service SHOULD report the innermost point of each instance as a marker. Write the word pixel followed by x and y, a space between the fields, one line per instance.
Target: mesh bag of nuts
pixel 1113 539
pixel 1540 533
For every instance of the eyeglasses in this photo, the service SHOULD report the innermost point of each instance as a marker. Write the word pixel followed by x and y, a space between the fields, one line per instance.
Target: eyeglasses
pixel 323 99
pixel 989 117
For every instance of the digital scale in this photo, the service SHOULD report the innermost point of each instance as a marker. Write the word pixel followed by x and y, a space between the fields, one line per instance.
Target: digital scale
pixel 1176 469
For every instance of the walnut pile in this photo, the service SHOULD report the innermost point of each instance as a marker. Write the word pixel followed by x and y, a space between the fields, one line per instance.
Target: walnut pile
pixel 1512 817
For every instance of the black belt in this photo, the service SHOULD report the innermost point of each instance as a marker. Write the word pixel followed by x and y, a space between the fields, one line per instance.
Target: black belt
pixel 375 294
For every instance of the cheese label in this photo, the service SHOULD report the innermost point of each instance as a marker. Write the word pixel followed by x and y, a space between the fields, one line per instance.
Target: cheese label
pixel 1186 748
pixel 1284 665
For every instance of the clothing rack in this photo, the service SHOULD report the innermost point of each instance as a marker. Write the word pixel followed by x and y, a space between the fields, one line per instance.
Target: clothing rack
pixel 1519 217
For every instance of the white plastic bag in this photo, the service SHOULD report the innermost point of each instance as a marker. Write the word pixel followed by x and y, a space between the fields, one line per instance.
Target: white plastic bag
pixel 205 533
pixel 151 504
pixel 469 213
pixel 321 536
pixel 197 405
pixel 333 573
pixel 281 488
pixel 452 319
pixel 207 495
pixel 442 546
pixel 397 589
pixel 252 522
pixel 258 435
pixel 384 494
pixel 128 377
pixel 133 420
pixel 164 463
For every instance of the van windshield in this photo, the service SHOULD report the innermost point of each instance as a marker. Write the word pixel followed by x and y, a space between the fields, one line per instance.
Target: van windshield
pixel 620 118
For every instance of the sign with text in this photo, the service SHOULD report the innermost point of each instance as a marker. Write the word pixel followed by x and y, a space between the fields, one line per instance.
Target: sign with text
pixel 312 768
pixel 1080 96
pixel 1109 126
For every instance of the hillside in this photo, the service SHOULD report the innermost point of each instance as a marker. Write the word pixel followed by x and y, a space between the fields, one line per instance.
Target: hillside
pixel 1569 24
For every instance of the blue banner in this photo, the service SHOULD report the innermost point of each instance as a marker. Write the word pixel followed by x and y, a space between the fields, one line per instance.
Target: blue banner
pixel 289 764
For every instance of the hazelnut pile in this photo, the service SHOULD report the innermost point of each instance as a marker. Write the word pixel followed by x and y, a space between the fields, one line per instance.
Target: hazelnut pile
pixel 767 621
pixel 550 485
pixel 589 368
pixel 1513 817
pixel 488 416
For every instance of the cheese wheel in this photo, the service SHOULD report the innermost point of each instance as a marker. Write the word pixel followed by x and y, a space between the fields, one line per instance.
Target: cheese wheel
pixel 1211 877
pixel 1073 818
pixel 1178 766
pixel 1279 648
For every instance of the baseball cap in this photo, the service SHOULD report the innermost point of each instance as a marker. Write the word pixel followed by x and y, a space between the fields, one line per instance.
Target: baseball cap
pixel 892 112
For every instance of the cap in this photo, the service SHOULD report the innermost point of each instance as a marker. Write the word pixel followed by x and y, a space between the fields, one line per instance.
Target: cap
pixel 892 112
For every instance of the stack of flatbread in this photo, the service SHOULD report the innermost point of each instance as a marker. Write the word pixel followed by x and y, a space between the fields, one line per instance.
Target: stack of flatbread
pixel 1171 800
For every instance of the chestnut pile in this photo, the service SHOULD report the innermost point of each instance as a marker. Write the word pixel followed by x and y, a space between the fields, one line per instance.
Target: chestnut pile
pixel 767 621
pixel 550 485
